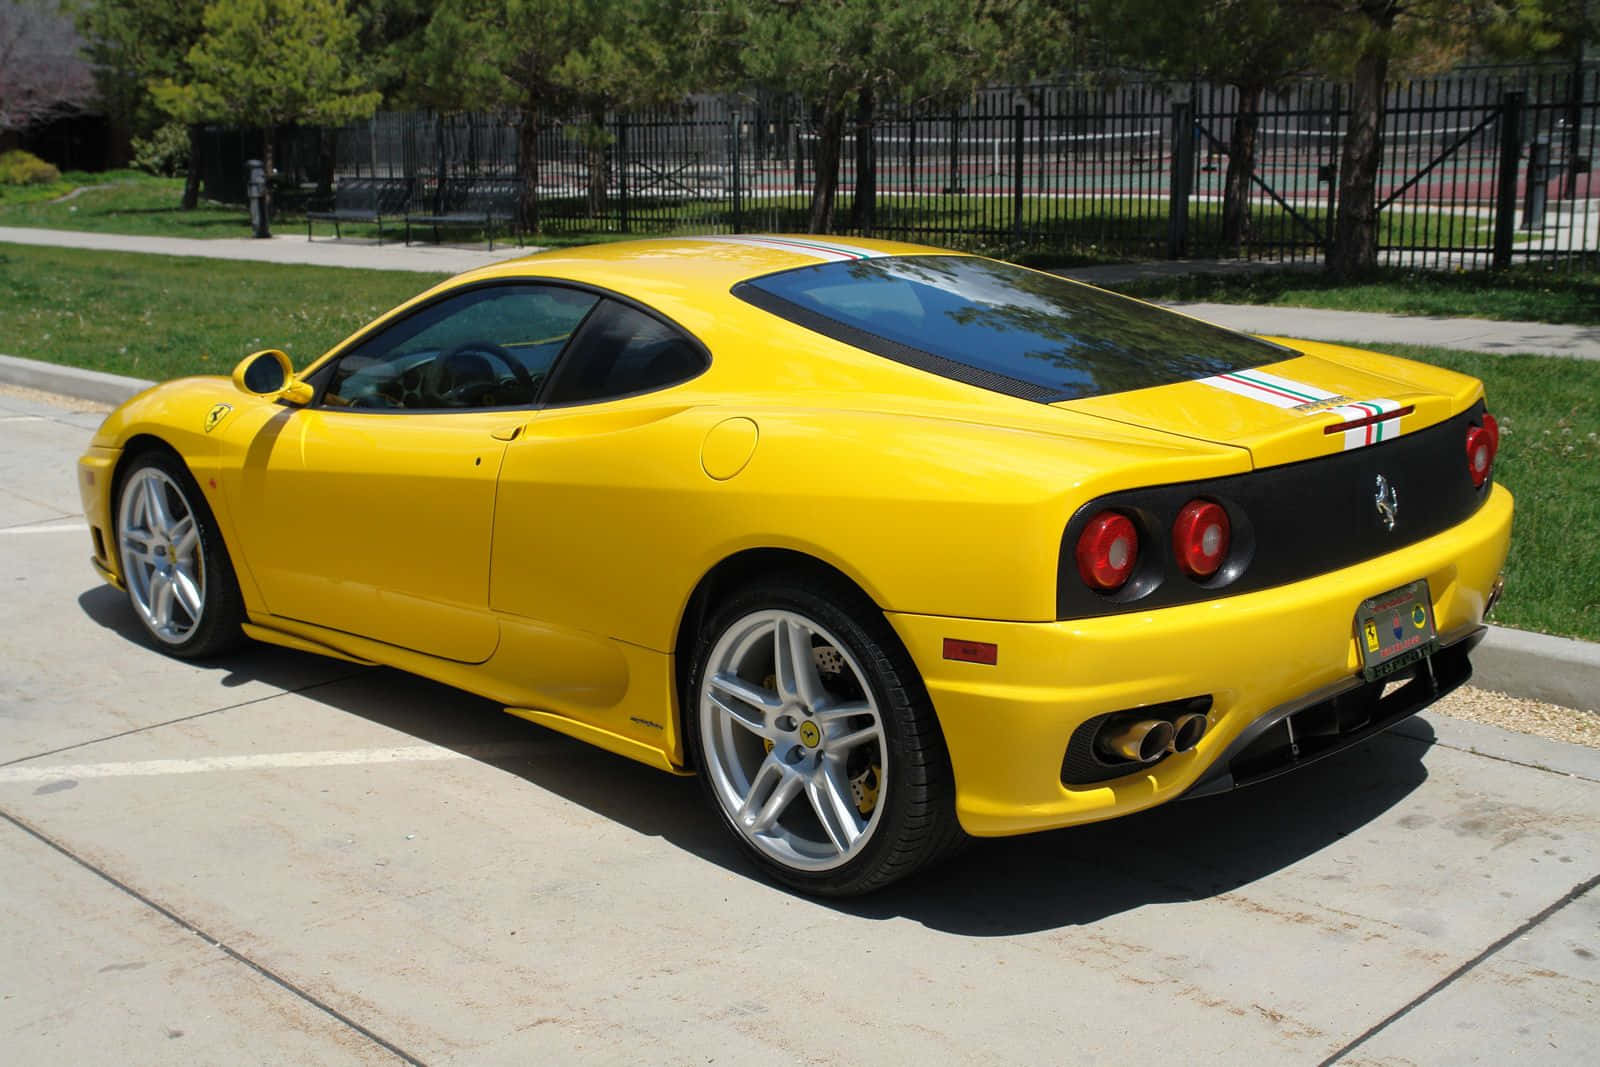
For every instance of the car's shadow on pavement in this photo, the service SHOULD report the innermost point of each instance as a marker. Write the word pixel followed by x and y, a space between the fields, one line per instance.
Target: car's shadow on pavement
pixel 1188 850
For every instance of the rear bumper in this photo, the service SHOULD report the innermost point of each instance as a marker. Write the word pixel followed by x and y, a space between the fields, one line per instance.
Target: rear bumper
pixel 1332 720
pixel 1259 657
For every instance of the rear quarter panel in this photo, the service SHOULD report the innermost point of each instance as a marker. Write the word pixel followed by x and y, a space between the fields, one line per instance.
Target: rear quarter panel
pixel 607 520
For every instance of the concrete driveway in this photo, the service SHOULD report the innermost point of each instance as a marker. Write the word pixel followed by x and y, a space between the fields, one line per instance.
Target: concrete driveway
pixel 280 858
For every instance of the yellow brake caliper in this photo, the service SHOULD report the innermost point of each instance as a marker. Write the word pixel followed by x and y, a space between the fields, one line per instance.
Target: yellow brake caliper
pixel 864 788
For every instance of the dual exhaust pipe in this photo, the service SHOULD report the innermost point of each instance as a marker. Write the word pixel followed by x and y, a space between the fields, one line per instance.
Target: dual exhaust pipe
pixel 1147 740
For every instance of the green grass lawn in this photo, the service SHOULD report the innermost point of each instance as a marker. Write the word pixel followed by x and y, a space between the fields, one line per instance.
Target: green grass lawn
pixel 1533 294
pixel 165 316
pixel 134 203
pixel 1549 414
pixel 123 201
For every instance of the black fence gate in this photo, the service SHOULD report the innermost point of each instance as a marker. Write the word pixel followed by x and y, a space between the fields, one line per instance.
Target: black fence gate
pixel 1480 166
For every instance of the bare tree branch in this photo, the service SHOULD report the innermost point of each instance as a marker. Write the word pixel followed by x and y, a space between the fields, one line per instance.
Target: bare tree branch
pixel 43 74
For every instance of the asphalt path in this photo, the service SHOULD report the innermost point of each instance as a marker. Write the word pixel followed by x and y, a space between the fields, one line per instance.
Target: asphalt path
pixel 282 858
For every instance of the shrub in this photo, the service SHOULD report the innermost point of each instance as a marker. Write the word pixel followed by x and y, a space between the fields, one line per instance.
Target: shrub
pixel 25 168
pixel 165 152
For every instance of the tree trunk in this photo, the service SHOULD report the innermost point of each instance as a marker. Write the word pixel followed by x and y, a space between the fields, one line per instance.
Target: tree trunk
pixel 830 135
pixel 599 161
pixel 865 208
pixel 1241 165
pixel 191 179
pixel 438 205
pixel 326 161
pixel 1355 226
pixel 528 166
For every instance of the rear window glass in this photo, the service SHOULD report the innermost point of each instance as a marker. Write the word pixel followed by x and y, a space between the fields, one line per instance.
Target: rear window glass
pixel 1004 328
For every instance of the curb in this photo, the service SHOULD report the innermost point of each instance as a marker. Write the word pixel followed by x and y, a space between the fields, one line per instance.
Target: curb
pixel 70 381
pixel 1557 670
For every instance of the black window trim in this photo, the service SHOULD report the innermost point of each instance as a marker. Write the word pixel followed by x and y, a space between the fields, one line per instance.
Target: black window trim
pixel 562 367
pixel 322 377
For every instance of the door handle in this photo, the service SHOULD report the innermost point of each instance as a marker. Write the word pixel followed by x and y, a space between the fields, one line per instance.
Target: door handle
pixel 508 434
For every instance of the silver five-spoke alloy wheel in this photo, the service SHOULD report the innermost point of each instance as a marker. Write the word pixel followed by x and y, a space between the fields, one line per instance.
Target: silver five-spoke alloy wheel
pixel 793 739
pixel 158 537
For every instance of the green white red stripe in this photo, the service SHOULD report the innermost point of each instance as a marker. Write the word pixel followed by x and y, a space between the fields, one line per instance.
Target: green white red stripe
pixel 1373 432
pixel 1269 388
pixel 1290 395
pixel 829 251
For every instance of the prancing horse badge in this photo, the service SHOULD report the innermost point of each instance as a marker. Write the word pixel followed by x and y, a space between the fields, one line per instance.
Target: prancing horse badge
pixel 216 415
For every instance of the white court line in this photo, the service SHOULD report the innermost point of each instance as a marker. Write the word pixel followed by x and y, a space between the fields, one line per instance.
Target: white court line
pixel 268 761
pixel 66 527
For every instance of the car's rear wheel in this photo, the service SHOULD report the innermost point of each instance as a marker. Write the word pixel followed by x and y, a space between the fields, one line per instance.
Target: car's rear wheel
pixel 816 740
pixel 176 569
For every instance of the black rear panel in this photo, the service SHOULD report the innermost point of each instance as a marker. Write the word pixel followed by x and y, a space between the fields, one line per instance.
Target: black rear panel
pixel 1289 523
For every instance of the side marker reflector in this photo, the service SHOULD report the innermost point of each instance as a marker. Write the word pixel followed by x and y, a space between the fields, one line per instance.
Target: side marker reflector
pixel 971 651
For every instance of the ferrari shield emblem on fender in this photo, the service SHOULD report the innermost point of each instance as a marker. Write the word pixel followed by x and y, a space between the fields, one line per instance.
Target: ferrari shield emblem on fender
pixel 216 415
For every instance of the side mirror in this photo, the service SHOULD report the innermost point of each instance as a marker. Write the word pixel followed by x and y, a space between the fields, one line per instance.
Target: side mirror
pixel 270 374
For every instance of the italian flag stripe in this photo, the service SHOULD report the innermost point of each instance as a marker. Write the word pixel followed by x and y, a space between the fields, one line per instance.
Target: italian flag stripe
pixel 819 249
pixel 1269 388
pixel 1300 392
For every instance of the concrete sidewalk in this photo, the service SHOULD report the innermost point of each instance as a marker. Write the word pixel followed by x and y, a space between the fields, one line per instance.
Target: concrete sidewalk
pixel 1356 327
pixel 1369 328
pixel 283 248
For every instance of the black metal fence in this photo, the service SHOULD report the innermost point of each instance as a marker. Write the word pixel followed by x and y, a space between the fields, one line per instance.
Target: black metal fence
pixel 1477 167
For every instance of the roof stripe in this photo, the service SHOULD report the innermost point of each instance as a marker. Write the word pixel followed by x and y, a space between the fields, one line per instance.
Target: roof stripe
pixel 829 251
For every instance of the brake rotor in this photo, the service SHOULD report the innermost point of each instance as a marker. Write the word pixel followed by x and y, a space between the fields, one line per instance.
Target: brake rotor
pixel 828 659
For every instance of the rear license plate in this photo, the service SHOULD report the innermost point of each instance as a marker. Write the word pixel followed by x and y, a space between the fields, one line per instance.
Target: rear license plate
pixel 1395 630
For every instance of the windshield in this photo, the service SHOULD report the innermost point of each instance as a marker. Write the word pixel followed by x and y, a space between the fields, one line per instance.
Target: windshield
pixel 1004 328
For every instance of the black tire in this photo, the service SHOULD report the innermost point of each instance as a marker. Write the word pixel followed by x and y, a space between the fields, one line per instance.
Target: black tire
pixel 917 822
pixel 221 606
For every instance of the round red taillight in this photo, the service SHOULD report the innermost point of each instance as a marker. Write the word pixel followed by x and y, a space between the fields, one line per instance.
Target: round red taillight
pixel 1200 538
pixel 1108 549
pixel 1482 442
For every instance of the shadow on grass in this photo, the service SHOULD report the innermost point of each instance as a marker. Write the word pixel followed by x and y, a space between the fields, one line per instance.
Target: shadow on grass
pixel 1183 851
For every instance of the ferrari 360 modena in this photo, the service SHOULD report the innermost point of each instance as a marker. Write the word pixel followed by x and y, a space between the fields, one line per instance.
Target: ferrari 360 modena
pixel 889 545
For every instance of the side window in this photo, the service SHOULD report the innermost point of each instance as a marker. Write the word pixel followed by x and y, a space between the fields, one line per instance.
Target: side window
pixel 488 347
pixel 621 351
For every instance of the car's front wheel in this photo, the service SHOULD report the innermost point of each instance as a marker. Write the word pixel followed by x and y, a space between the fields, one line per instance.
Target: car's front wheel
pixel 816 741
pixel 176 569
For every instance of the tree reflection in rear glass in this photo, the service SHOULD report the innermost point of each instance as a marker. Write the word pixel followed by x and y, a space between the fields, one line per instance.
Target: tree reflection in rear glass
pixel 1012 330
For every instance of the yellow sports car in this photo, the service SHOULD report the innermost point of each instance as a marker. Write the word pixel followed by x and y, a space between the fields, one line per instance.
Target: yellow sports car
pixel 889 545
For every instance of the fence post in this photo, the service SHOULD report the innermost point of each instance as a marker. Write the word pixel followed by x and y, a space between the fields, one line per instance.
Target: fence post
pixel 1016 173
pixel 1505 201
pixel 1182 179
pixel 799 155
pixel 1536 194
pixel 738 221
pixel 622 169
pixel 1335 123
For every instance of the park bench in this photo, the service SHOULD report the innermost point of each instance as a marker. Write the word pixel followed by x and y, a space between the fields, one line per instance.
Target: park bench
pixel 364 200
pixel 472 202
